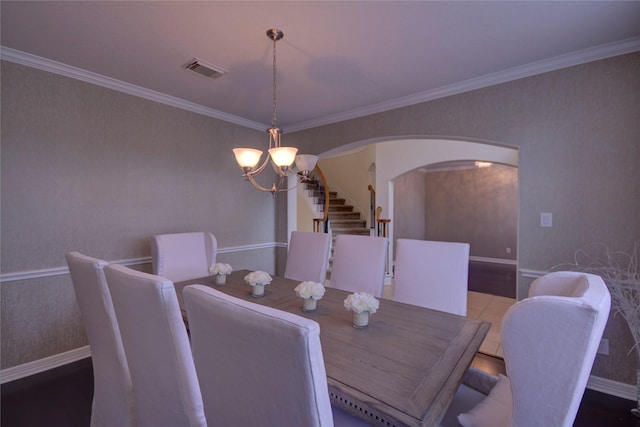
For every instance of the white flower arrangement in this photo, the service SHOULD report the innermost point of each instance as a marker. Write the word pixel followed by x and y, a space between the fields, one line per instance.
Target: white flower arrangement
pixel 308 290
pixel 360 302
pixel 220 268
pixel 258 278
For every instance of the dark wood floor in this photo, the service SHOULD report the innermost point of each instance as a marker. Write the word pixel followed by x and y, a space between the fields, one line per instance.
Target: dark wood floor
pixel 492 278
pixel 62 397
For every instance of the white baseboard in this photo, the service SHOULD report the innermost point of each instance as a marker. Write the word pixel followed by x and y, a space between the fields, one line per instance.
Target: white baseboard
pixel 493 260
pixel 614 388
pixel 41 365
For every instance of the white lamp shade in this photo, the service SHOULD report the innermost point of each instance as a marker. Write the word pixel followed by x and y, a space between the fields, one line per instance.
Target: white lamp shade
pixel 247 157
pixel 283 156
pixel 306 162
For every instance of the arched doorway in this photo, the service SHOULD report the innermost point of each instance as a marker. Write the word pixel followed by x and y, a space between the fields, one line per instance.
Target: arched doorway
pixel 394 156
pixel 464 201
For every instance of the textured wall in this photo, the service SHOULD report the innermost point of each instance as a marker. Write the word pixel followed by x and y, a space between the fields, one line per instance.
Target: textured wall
pixel 478 206
pixel 141 168
pixel 94 170
pixel 409 206
pixel 578 134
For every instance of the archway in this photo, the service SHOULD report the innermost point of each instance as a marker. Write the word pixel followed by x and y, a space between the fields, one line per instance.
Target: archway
pixel 395 156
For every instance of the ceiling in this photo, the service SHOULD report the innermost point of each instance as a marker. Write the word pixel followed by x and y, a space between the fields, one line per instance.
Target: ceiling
pixel 338 60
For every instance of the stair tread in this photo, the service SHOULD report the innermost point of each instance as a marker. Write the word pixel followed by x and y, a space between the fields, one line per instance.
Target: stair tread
pixel 348 230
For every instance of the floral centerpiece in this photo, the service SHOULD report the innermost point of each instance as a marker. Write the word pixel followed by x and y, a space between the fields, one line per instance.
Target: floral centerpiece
pixel 258 279
pixel 310 292
pixel 220 270
pixel 361 304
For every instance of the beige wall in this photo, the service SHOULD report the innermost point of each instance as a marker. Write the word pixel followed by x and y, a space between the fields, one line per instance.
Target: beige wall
pixel 94 170
pixel 578 135
pixel 348 174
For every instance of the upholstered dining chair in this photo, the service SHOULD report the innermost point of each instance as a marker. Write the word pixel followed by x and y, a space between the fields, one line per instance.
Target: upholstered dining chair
pixel 258 366
pixel 432 274
pixel 155 341
pixel 183 256
pixel 308 256
pixel 359 263
pixel 550 341
pixel 113 399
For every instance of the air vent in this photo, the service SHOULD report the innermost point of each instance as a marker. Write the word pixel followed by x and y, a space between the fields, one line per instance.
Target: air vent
pixel 207 70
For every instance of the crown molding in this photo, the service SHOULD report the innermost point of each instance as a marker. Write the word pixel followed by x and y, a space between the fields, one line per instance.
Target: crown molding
pixel 49 65
pixel 528 70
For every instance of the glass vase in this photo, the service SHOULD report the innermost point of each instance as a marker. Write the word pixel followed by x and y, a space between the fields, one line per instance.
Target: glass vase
pixel 258 290
pixel 309 304
pixel 360 320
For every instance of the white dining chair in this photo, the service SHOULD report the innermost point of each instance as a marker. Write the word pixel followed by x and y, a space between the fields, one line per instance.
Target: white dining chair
pixel 183 256
pixel 359 263
pixel 113 399
pixel 258 366
pixel 432 274
pixel 155 341
pixel 308 256
pixel 550 340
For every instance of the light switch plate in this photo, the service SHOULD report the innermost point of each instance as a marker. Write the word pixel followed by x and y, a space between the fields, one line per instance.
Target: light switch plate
pixel 546 219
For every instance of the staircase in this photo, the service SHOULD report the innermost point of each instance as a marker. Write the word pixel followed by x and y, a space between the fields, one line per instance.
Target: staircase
pixel 343 219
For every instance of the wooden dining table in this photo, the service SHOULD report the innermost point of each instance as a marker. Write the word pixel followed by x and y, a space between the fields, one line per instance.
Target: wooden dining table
pixel 403 369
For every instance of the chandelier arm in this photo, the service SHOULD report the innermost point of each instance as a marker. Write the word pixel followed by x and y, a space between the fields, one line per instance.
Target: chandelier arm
pixel 259 169
pixel 279 188
pixel 253 181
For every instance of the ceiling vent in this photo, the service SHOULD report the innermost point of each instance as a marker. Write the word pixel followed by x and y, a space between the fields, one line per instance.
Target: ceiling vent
pixel 207 70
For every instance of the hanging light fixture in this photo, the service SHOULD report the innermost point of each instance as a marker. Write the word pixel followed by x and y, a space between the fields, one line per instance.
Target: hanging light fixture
pixel 281 157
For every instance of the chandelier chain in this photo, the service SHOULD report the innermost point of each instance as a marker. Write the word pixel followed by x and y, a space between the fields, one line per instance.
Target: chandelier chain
pixel 275 108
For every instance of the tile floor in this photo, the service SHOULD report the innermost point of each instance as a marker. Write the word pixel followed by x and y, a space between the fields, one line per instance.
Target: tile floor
pixel 490 308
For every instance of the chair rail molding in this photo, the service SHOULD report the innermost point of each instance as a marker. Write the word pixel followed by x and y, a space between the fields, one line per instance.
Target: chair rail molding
pixel 60 271
pixel 532 274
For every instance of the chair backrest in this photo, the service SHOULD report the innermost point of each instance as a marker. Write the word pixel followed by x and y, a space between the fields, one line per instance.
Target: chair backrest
pixel 113 398
pixel 308 256
pixel 550 341
pixel 183 256
pixel 359 263
pixel 257 366
pixel 432 274
pixel 157 348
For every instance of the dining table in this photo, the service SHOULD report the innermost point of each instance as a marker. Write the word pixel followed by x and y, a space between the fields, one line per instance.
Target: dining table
pixel 403 369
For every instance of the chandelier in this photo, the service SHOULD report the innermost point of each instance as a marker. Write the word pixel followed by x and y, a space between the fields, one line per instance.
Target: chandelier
pixel 282 158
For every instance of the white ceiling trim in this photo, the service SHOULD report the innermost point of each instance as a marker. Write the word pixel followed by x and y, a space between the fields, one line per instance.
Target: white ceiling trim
pixel 552 64
pixel 45 64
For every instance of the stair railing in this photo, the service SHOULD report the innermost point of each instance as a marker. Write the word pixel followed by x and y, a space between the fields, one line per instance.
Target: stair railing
pixel 321 225
pixel 372 207
pixel 382 223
